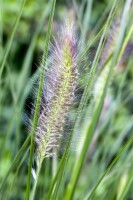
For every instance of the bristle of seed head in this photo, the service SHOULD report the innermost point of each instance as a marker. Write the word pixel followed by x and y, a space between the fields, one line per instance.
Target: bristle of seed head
pixel 111 41
pixel 58 92
pixel 107 51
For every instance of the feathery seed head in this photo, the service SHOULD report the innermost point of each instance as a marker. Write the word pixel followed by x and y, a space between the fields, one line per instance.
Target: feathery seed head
pixel 58 93
pixel 111 41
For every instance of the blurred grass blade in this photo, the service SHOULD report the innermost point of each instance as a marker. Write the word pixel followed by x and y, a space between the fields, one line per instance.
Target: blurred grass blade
pixel 79 13
pixel 86 21
pixel 53 191
pixel 29 55
pixel 109 168
pixel 11 39
pixel 14 162
pixel 122 32
pixel 1 23
pixel 18 168
pixel 128 184
pixel 89 45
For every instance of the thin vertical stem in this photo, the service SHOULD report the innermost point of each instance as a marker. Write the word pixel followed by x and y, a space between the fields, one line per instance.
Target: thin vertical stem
pixel 38 101
pixel 36 180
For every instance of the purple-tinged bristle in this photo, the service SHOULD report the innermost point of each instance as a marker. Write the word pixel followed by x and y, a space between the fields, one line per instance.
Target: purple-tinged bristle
pixel 58 92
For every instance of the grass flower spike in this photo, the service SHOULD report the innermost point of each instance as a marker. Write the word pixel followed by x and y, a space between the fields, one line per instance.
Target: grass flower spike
pixel 58 93
pixel 107 51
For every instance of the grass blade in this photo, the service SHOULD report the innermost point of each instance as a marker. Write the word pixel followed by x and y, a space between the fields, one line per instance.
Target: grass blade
pixel 38 102
pixel 11 38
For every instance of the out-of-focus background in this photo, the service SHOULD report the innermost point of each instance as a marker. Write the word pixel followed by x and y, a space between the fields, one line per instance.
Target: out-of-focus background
pixel 18 78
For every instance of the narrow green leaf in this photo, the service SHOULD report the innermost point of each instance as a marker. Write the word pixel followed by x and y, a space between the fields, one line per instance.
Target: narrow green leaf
pixel 38 102
pixel 14 162
pixel 109 168
pixel 11 39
